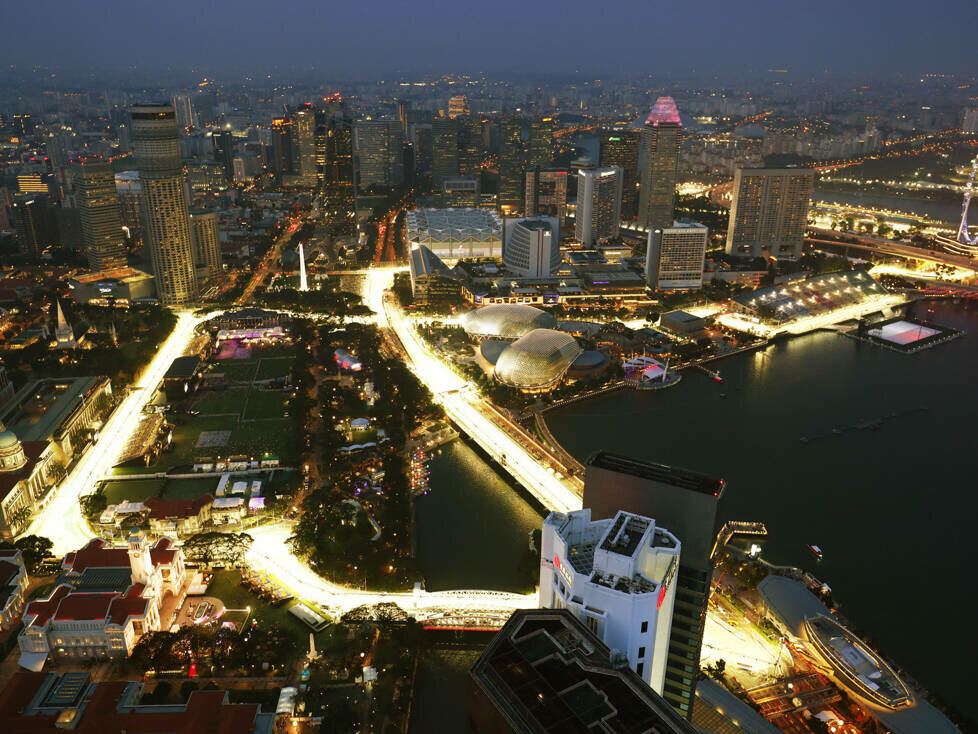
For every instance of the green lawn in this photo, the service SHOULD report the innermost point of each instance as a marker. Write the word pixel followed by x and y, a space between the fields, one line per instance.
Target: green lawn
pixel 255 439
pixel 189 489
pixel 235 370
pixel 266 404
pixel 231 401
pixel 271 367
pixel 226 586
pixel 134 490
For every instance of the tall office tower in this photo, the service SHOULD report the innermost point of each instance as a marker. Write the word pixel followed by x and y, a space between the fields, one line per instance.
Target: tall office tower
pixel 403 116
pixel 686 503
pixel 531 246
pixel 459 192
pixel 458 106
pixel 186 114
pixel 617 576
pixel 421 135
pixel 469 146
pixel 675 257
pixel 661 140
pixel 380 154
pixel 304 145
pixel 540 151
pixel 340 181
pixel 598 205
pixel 281 147
pixel 100 213
pixel 510 165
pixel 545 193
pixel 970 123
pixel 444 150
pixel 29 213
pixel 769 212
pixel 166 206
pixel 130 193
pixel 206 234
pixel 224 152
pixel 620 148
pixel 321 141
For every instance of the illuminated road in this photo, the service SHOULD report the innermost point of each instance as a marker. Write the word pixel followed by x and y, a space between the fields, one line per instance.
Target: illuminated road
pixel 61 520
pixel 466 409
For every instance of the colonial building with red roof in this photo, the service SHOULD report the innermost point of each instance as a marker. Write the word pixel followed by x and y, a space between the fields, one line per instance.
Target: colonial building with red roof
pixel 104 602
pixel 13 587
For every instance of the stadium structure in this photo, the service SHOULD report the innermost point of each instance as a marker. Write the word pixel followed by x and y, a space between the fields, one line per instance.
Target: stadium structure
pixel 452 234
pixel 505 321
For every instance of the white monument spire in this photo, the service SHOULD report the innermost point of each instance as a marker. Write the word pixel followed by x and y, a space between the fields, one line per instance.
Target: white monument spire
pixel 303 285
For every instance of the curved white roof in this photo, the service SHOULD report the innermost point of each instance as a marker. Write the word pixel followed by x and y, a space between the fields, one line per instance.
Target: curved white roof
pixel 506 320
pixel 537 360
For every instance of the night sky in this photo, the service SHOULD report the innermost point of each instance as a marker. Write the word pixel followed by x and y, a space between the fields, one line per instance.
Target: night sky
pixel 613 37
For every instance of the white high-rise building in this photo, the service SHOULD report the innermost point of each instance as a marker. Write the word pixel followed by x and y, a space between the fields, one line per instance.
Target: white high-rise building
pixel 598 204
pixel 531 246
pixel 675 257
pixel 618 577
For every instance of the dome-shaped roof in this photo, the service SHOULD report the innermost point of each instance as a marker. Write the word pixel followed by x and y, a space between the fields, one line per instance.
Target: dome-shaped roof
pixel 8 439
pixel 537 360
pixel 490 349
pixel 506 320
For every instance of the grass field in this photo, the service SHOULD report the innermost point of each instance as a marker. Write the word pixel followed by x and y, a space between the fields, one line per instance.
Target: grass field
pixel 266 404
pixel 271 367
pixel 218 403
pixel 235 370
pixel 138 490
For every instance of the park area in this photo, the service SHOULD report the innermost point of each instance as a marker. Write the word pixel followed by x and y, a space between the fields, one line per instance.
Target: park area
pixel 239 409
pixel 139 490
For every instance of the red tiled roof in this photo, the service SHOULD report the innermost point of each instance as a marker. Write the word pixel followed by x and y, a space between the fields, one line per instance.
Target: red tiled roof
pixel 162 509
pixel 206 711
pixel 96 555
pixel 44 609
pixel 8 571
pixel 85 606
pixel 131 604
pixel 161 553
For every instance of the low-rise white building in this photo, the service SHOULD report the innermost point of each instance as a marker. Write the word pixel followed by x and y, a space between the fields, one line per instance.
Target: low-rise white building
pixel 617 576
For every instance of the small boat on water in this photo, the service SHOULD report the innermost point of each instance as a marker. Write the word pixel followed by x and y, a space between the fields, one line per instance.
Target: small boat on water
pixel 815 551
pixel 716 376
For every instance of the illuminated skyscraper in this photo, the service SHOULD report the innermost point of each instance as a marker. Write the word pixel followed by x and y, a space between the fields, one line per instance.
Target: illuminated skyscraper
pixel 620 148
pixel 675 257
pixel 380 153
pixel 99 210
pixel 598 205
pixel 444 150
pixel 510 165
pixel 545 193
pixel 458 106
pixel 281 147
pixel 769 212
pixel 304 145
pixel 540 151
pixel 660 164
pixel 340 180
pixel 165 202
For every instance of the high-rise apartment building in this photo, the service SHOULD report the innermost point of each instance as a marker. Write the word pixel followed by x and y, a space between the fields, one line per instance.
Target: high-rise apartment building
pixel 675 257
pixel 100 213
pixel 281 147
pixel 224 152
pixel 380 153
pixel 339 197
pixel 620 148
pixel 166 205
pixel 686 503
pixel 545 193
pixel 206 234
pixel 769 212
pixel 510 165
pixel 458 106
pixel 598 204
pixel 531 246
pixel 304 145
pixel 617 575
pixel 661 140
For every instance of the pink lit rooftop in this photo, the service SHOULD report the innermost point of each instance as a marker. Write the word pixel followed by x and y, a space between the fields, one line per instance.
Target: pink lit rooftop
pixel 663 111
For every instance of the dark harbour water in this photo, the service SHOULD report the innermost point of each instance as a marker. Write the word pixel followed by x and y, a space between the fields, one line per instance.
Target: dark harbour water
pixel 894 509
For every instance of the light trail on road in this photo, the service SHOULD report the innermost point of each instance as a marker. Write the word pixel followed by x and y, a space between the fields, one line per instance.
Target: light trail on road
pixel 462 405
pixel 61 520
